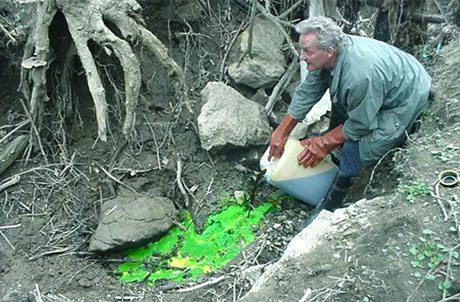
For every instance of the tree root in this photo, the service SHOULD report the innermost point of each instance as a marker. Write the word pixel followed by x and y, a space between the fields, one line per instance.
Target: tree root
pixel 88 20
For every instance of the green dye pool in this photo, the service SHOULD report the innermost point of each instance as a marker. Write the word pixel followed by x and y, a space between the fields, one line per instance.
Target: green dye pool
pixel 184 255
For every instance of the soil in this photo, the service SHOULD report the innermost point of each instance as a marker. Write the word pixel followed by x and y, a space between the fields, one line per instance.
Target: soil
pixel 46 219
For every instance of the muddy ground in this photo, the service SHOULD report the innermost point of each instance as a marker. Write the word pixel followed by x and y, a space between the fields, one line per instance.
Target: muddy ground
pixel 46 219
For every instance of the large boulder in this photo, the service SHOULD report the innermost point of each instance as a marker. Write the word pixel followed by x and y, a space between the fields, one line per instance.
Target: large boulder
pixel 131 221
pixel 229 119
pixel 267 63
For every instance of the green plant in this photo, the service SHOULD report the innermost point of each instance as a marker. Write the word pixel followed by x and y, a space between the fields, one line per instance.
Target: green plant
pixel 418 188
pixel 448 153
pixel 427 254
pixel 427 53
pixel 429 251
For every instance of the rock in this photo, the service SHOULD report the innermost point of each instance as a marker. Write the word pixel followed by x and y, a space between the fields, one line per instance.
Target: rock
pixel 131 221
pixel 229 119
pixel 297 249
pixel 240 196
pixel 252 273
pixel 267 63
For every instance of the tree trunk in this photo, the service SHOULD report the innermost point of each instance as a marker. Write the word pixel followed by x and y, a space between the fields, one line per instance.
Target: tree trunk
pixel 87 22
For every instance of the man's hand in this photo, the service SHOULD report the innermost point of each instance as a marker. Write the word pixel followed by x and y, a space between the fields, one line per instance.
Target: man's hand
pixel 316 148
pixel 280 136
pixel 277 142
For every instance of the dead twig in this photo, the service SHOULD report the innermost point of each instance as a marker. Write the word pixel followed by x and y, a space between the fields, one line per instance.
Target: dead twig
pixel 10 182
pixel 442 12
pixel 117 153
pixel 446 279
pixel 53 252
pixel 37 293
pixel 8 34
pixel 290 9
pixel 9 226
pixel 19 126
pixel 438 200
pixel 79 271
pixel 278 23
pixel 34 130
pixel 251 31
pixel 177 223
pixel 229 48
pixel 179 181
pixel 154 141
pixel 7 241
pixel 455 297
pixel 306 295
pixel 129 298
pixel 375 168
pixel 281 86
pixel 210 282
pixel 117 181
pixel 454 213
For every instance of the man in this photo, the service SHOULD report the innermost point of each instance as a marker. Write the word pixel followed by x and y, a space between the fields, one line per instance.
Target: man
pixel 377 93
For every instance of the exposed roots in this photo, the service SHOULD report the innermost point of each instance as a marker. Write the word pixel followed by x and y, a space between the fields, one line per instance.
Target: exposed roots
pixel 92 20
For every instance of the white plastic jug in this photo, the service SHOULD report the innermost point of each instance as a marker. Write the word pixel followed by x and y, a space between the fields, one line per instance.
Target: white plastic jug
pixel 309 185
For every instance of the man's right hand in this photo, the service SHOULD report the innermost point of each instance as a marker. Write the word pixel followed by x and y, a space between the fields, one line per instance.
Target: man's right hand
pixel 280 136
pixel 277 142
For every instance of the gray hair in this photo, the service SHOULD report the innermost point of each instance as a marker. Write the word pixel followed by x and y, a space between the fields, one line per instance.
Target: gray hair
pixel 328 33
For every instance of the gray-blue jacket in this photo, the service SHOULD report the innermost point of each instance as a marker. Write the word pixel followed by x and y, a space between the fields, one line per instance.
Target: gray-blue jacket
pixel 378 90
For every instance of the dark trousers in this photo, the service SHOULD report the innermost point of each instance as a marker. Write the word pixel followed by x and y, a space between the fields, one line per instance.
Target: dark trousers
pixel 349 159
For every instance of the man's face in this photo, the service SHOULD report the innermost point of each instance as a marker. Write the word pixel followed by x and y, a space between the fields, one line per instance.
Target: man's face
pixel 315 57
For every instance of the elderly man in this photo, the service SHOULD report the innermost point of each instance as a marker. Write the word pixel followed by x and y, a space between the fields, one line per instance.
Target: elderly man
pixel 377 93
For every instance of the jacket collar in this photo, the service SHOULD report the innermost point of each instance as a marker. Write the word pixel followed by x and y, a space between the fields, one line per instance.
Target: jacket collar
pixel 337 71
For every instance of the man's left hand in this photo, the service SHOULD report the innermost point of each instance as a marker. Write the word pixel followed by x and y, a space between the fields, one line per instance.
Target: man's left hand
pixel 316 148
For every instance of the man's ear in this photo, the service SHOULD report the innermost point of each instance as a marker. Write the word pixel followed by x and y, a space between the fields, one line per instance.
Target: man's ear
pixel 330 51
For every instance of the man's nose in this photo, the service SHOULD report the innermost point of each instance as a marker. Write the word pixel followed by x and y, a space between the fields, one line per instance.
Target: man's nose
pixel 303 55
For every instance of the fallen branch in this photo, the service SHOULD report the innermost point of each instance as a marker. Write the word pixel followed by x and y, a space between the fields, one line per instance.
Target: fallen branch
pixel 281 86
pixel 12 151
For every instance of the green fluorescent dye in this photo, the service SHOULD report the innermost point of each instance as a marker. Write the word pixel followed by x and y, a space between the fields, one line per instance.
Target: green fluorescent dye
pixel 185 255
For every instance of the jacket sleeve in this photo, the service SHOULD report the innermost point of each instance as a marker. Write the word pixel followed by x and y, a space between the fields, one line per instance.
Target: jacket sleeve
pixel 307 94
pixel 364 98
